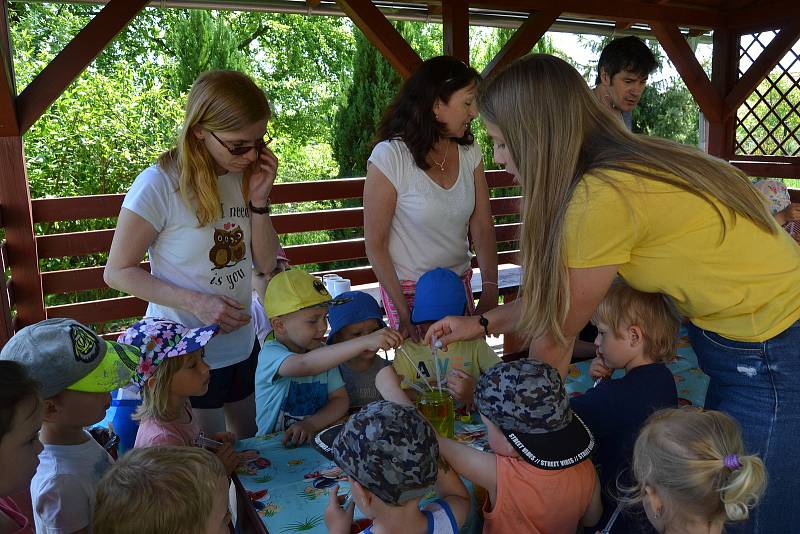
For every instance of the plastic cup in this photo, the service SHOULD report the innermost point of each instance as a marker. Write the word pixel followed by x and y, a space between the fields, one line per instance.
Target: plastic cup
pixel 340 286
pixel 328 280
pixel 437 407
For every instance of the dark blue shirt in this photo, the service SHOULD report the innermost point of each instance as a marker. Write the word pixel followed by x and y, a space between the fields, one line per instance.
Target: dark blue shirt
pixel 615 411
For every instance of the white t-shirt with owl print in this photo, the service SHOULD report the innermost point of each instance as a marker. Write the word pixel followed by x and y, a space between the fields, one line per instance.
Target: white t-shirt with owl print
pixel 215 258
pixel 430 223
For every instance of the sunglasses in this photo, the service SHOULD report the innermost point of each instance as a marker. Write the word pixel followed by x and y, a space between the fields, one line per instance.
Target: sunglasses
pixel 260 145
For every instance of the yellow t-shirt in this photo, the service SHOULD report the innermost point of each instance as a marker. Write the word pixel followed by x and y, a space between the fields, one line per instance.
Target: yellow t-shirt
pixel 744 287
pixel 472 357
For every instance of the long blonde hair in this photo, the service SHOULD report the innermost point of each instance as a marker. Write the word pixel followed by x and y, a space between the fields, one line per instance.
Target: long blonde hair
pixel 681 454
pixel 556 132
pixel 155 397
pixel 159 489
pixel 219 101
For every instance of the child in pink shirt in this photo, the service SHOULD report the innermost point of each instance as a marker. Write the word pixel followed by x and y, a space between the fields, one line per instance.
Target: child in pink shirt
pixel 171 369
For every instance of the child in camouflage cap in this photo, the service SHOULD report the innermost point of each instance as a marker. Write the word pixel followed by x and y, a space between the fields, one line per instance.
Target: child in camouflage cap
pixel 390 455
pixel 538 477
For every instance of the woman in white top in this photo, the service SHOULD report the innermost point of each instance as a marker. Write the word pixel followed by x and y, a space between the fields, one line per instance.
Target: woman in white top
pixel 202 215
pixel 425 194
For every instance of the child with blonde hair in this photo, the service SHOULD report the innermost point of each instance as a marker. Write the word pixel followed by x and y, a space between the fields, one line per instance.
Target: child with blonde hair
pixel 692 472
pixel 20 421
pixel 172 369
pixel 163 489
pixel 636 332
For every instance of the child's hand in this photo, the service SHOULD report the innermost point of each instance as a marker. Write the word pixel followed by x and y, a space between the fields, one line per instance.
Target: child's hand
pixel 382 339
pixel 598 369
pixel 224 437
pixel 299 433
pixel 228 457
pixel 461 386
pixel 791 213
pixel 338 520
pixel 387 382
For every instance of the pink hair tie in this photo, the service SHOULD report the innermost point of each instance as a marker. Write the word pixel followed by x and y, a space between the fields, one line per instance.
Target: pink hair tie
pixel 732 462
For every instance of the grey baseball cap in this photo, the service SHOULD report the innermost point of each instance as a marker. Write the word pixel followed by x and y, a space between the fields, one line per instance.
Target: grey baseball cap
pixel 527 401
pixel 64 354
pixel 388 448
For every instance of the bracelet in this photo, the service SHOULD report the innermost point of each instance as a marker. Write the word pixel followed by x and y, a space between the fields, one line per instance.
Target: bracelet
pixel 490 283
pixel 484 322
pixel 260 211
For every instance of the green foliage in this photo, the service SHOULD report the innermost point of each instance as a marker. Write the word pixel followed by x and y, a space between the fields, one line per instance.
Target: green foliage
pixel 374 85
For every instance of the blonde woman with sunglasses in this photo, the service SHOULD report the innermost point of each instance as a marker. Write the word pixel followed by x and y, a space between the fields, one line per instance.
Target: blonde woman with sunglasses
pixel 201 214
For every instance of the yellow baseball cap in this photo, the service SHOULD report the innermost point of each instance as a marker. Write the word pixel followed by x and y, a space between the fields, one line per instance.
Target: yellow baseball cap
pixel 295 290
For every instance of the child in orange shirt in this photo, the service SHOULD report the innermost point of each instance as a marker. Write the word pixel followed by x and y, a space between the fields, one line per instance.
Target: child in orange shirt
pixel 539 478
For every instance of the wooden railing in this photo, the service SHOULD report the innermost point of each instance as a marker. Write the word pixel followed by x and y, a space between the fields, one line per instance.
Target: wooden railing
pixel 84 243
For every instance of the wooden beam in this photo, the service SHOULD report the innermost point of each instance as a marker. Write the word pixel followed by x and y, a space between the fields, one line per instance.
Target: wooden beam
pixel 8 91
pixel 15 201
pixel 634 10
pixel 380 32
pixel 621 25
pixel 522 41
pixel 724 65
pixel 455 19
pixel 75 57
pixel 695 78
pixel 758 17
pixel 763 64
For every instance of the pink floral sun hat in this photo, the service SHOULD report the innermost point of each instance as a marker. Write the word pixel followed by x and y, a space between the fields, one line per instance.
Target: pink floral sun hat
pixel 159 339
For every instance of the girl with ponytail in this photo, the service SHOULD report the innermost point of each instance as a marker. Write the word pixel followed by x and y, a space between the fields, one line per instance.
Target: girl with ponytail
pixel 692 472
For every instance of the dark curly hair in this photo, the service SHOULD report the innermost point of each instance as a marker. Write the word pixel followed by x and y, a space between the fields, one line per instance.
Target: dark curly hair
pixel 409 116
pixel 15 387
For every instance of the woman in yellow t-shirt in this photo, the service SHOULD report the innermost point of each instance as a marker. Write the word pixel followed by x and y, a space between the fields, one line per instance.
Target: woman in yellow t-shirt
pixel 599 201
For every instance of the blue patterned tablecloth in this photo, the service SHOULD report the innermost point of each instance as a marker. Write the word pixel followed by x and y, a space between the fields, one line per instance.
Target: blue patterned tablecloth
pixel 288 486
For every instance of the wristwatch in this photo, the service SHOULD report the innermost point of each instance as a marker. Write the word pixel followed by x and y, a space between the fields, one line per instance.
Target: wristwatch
pixel 484 322
pixel 260 211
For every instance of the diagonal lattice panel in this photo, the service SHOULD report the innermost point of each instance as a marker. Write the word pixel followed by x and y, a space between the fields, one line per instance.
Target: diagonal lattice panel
pixel 768 122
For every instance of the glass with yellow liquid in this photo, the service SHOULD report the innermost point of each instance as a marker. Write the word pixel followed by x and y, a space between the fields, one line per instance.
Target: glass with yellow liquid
pixel 437 407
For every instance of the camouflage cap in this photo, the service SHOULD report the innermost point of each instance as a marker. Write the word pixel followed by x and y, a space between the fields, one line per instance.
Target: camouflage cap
pixel 388 448
pixel 527 401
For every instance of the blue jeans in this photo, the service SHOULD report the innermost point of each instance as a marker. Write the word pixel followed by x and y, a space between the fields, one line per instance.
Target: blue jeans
pixel 758 384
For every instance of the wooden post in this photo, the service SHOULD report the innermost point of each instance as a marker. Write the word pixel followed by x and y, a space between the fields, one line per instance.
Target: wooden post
pixel 455 19
pixel 682 56
pixel 15 201
pixel 724 68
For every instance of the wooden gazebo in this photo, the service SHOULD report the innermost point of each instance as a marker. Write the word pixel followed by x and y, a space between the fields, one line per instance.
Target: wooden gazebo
pixel 726 99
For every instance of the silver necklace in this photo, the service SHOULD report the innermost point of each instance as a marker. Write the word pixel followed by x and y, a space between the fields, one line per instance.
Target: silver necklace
pixel 441 165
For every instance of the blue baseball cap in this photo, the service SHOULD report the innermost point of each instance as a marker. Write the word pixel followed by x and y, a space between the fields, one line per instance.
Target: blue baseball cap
pixel 360 307
pixel 439 293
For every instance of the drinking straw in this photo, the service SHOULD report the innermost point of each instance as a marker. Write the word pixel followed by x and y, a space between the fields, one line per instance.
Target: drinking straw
pixel 612 519
pixel 413 365
pixel 413 385
pixel 435 353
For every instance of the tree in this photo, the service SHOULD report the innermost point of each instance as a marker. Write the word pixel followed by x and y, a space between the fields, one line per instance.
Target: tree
pixel 375 82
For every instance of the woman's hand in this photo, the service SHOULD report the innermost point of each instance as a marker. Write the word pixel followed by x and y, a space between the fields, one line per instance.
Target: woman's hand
pixel 221 310
pixel 262 176
pixel 454 328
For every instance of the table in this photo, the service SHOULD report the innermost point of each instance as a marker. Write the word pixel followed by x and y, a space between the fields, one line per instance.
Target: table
pixel 288 487
pixel 691 382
